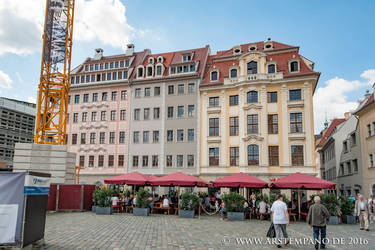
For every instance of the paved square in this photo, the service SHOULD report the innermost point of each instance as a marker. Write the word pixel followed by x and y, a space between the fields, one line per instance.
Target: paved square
pixel 87 230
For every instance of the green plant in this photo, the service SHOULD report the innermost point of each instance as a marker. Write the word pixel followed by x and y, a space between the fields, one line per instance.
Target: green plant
pixel 102 197
pixel 330 201
pixel 189 201
pixel 234 202
pixel 346 206
pixel 127 193
pixel 142 196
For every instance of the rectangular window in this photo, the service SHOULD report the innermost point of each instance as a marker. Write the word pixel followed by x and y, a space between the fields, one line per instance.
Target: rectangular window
pixel 297 155
pixel 353 140
pixel 111 160
pixel 252 124
pixel 101 161
pixel 146 114
pixel 169 135
pixel 155 161
pixel 77 79
pixel 233 100
pixel 169 161
pixel 87 78
pixel 295 94
pixel 82 79
pixel 76 98
pixel 214 126
pixel 138 93
pixel 233 126
pixel 146 136
pixel 127 63
pixel 74 139
pixel 75 117
pixel 137 114
pixel 145 161
pixel 273 153
pixel 191 110
pixel 92 137
pixel 119 74
pixel 136 137
pixel 94 97
pixel 147 92
pixel 135 161
pixel 83 138
pixel 273 124
pixel 156 113
pixel 124 94
pixel 355 165
pixel 121 159
pixel 86 98
pixel 104 96
pixel 180 111
pixel 170 112
pixel 214 156
pixel 82 160
pixel 191 88
pixel 156 91
pixel 180 160
pixel 180 135
pixel 271 97
pixel 190 160
pixel 214 101
pixel 114 95
pixel 92 78
pixel 102 137
pixel 84 116
pixel 170 90
pixel 91 160
pixel 116 65
pixel 155 136
pixel 122 137
pixel 102 115
pixel 181 89
pixel 295 122
pixel 190 134
pixel 234 156
pixel 111 65
pixel 69 97
pixel 369 130
pixel 103 76
pixel 112 137
pixel 122 115
pixel 371 158
pixel 113 115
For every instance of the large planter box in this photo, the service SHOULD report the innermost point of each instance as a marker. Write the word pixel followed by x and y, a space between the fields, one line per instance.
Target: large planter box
pixel 103 210
pixel 141 211
pixel 93 209
pixel 186 213
pixel 333 220
pixel 349 219
pixel 236 216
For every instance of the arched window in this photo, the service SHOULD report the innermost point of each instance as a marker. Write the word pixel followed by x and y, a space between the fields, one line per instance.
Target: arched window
pixel 252 155
pixel 252 67
pixel 294 66
pixel 233 73
pixel 252 96
pixel 214 76
pixel 149 71
pixel 271 68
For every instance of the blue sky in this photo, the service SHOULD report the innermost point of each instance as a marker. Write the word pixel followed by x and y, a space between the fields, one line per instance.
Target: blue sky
pixel 337 35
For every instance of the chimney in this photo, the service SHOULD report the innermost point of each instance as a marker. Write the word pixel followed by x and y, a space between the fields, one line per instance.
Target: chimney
pixel 129 49
pixel 98 54
pixel 347 115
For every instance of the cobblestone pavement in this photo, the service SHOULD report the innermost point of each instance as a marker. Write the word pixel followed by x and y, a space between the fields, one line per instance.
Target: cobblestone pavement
pixel 87 230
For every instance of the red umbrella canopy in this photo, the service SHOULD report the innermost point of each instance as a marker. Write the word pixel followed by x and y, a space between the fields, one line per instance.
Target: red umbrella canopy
pixel 240 180
pixel 133 178
pixel 302 181
pixel 178 179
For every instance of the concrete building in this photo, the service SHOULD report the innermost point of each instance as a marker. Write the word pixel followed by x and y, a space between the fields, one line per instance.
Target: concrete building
pixel 164 116
pixel 366 115
pixel 98 113
pixel 17 120
pixel 257 112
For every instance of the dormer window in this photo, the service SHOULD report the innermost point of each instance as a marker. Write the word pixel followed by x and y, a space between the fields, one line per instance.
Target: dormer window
pixel 268 44
pixel 233 73
pixel 186 57
pixel 252 68
pixel 294 66
pixel 159 70
pixel 151 60
pixel 149 71
pixel 160 59
pixel 214 75
pixel 271 68
pixel 253 47
pixel 236 50
pixel 140 72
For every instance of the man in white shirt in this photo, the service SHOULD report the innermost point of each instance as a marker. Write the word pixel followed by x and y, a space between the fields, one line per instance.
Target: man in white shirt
pixel 114 200
pixel 165 202
pixel 262 208
pixel 361 210
pixel 280 219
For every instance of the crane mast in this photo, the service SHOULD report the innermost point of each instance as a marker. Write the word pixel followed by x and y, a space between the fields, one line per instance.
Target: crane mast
pixel 53 92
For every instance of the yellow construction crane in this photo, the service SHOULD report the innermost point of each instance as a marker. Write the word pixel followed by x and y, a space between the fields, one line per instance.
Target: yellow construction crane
pixel 52 102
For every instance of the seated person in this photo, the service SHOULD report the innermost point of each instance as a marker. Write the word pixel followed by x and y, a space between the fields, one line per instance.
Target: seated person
pixel 114 200
pixel 207 201
pixel 165 202
pixel 294 206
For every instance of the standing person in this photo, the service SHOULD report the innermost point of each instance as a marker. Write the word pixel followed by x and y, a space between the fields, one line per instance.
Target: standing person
pixel 318 217
pixel 361 210
pixel 280 219
pixel 371 207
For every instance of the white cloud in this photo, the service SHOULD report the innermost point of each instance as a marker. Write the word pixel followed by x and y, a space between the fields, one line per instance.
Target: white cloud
pixel 332 97
pixel 5 81
pixel 31 99
pixel 21 24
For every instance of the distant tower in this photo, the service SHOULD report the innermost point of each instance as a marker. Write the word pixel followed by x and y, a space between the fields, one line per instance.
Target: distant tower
pixel 326 122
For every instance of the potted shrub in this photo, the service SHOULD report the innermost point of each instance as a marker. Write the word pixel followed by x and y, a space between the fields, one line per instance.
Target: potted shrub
pixel 103 201
pixel 234 206
pixel 141 205
pixel 188 203
pixel 330 201
pixel 347 209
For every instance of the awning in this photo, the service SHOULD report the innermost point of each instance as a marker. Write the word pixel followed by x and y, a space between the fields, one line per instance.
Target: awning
pixel 240 180
pixel 302 181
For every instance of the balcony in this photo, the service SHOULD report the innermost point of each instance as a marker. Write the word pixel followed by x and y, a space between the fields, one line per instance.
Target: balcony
pixel 254 77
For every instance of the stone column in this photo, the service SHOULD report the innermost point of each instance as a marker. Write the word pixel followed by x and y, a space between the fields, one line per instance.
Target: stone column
pixel 284 120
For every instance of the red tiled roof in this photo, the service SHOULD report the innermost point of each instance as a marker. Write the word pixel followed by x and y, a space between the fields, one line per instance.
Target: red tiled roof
pixel 329 131
pixel 167 60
